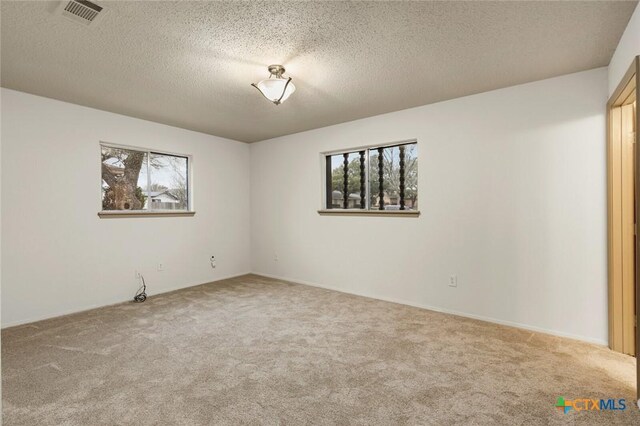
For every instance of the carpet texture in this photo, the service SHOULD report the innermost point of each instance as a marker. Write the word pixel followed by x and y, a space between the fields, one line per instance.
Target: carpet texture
pixel 253 350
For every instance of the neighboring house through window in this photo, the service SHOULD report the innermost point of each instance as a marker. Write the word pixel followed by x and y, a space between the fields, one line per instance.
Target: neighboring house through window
pixel 162 200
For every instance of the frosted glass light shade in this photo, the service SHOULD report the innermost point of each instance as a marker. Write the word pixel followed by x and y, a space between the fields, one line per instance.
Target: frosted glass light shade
pixel 272 89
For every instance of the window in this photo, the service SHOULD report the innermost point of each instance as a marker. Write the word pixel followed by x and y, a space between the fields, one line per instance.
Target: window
pixel 140 180
pixel 376 178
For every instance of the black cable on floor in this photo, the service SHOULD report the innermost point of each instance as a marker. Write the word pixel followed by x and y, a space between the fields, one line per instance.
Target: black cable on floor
pixel 141 295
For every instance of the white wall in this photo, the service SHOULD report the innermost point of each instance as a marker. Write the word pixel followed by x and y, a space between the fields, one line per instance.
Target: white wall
pixel 59 257
pixel 628 48
pixel 512 192
pixel 513 201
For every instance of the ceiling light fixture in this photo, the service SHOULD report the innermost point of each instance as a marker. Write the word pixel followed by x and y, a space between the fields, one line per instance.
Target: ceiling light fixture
pixel 276 88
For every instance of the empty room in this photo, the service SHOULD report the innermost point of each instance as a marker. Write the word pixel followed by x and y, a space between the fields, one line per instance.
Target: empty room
pixel 319 212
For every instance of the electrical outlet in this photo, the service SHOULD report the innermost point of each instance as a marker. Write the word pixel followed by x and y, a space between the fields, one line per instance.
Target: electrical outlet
pixel 160 267
pixel 453 281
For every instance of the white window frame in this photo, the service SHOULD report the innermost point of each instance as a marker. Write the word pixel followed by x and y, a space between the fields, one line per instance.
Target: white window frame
pixel 323 210
pixel 149 211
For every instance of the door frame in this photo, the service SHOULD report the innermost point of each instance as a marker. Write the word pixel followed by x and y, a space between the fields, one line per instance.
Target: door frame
pixel 632 73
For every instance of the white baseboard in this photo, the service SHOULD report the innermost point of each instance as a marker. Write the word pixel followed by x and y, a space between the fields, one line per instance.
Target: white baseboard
pixel 110 303
pixel 302 282
pixel 557 333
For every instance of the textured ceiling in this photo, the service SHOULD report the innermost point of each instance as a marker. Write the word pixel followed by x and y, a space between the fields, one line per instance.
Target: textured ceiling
pixel 189 64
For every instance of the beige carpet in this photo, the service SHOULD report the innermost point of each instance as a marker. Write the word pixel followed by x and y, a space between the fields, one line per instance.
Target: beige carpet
pixel 253 350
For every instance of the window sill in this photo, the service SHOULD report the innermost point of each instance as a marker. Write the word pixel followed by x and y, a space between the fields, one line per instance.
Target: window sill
pixel 129 213
pixel 359 212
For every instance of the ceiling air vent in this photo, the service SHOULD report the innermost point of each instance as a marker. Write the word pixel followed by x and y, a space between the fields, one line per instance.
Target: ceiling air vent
pixel 81 11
